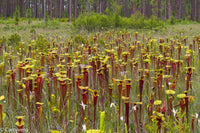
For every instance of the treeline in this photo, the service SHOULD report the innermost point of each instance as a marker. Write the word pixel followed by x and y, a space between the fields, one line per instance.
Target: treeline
pixel 163 9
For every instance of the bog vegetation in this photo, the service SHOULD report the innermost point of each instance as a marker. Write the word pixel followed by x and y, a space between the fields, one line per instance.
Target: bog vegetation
pixel 103 72
pixel 110 81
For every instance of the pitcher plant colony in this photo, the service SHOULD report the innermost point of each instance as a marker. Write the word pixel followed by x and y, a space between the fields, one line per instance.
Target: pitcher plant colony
pixel 114 81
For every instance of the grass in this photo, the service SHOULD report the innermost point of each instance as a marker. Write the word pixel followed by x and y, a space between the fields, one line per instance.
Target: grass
pixel 65 29
pixel 52 28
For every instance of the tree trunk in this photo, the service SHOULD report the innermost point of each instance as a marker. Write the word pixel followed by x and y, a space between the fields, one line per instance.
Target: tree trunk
pixel 35 8
pixel 0 7
pixel 134 8
pixel 100 6
pixel 8 9
pixel 60 9
pixel 63 7
pixel 13 6
pixel 149 10
pixel 55 9
pixel 44 11
pixel 144 7
pixel 39 11
pixel 104 5
pixel 26 5
pixel 175 8
pixel 29 4
pixel 70 10
pixel 125 7
pixel 42 8
pixel 170 9
pixel 47 7
pixel 4 8
pixel 180 9
pixel 197 10
pixel 95 6
pixel 119 2
pixel 21 7
pixel 192 10
pixel 165 10
pixel 141 7
pixel 32 6
pixel 183 11
pixel 158 9
pixel 75 9
pixel 51 12
pixel 17 2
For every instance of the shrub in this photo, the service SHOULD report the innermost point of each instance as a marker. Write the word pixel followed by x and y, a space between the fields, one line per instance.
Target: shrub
pixel 89 22
pixel 94 21
pixel 117 19
pixel 79 39
pixel 41 43
pixel 54 24
pixel 32 31
pixel 126 22
pixel 64 20
pixel 138 20
pixel 153 22
pixel 172 20
pixel 14 39
pixel 17 16
pixel 6 27
pixel 104 22
pixel 28 15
